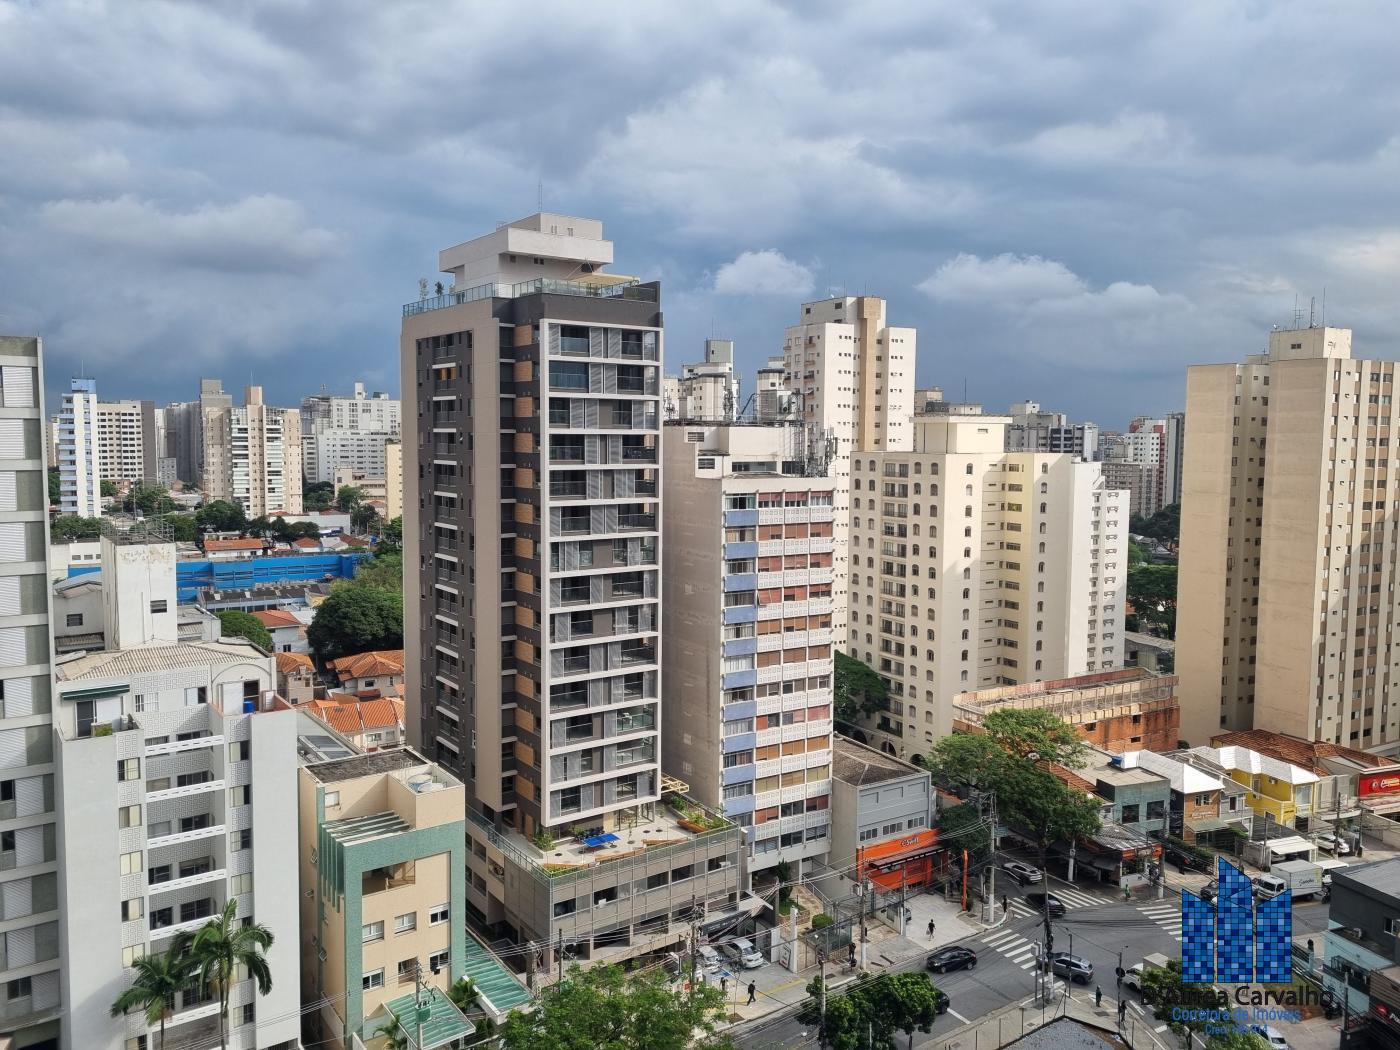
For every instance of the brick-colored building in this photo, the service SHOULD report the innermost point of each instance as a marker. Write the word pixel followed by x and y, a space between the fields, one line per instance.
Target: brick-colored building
pixel 1130 709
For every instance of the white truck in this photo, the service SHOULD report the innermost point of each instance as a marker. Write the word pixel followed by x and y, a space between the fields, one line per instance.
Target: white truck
pixel 1301 878
pixel 1133 978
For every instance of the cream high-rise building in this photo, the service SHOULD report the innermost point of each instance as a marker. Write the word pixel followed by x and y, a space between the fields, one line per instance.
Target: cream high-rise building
pixel 252 456
pixel 126 441
pixel 1287 544
pixel 852 378
pixel 973 567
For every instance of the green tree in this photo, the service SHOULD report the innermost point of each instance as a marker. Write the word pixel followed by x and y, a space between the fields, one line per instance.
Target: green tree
pixel 391 536
pixel 356 618
pixel 858 690
pixel 1165 525
pixel 108 489
pixel 384 570
pixel 600 1007
pixel 318 495
pixel 221 516
pixel 395 1032
pixel 873 1011
pixel 222 946
pixel 260 526
pixel 68 527
pixel 1236 1039
pixel 147 500
pixel 1167 994
pixel 55 486
pixel 182 527
pixel 348 498
pixel 363 518
pixel 235 623
pixel 159 978
pixel 909 1000
pixel 1152 592
pixel 963 828
pixel 1135 554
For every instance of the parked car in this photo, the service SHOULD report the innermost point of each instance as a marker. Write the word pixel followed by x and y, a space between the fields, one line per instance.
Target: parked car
pixel 741 951
pixel 1136 972
pixel 709 958
pixel 1339 847
pixel 1046 902
pixel 1210 890
pixel 1272 1036
pixel 1023 873
pixel 1073 967
pixel 953 957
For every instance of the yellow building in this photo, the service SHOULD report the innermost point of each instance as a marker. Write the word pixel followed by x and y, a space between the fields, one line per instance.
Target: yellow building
pixel 1280 789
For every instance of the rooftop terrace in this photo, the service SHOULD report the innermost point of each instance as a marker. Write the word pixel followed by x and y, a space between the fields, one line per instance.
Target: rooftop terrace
pixel 621 288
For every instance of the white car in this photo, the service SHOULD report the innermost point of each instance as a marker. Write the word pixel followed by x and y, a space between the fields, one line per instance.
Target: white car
pixel 742 951
pixel 708 958
pixel 1272 1036
pixel 1022 873
pixel 1332 844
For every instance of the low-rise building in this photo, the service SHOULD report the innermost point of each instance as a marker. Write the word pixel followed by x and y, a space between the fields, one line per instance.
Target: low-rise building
pixel 234 547
pixel 383 894
pixel 1363 937
pixel 1279 790
pixel 287 630
pixel 1130 709
pixel 296 677
pixel 378 671
pixel 1204 805
pixel 878 801
pixel 370 724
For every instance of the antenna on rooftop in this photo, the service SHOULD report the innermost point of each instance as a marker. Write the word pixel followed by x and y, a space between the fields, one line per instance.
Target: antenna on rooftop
pixel 1324 306
pixel 1312 311
pixel 1297 313
pixel 539 195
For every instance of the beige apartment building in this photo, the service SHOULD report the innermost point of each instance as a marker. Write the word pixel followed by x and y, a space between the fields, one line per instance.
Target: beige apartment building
pixel 1287 544
pixel 252 456
pixel 973 567
pixel 126 441
pixel 850 375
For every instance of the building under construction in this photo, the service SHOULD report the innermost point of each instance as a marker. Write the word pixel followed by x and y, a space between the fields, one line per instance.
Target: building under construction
pixel 1131 709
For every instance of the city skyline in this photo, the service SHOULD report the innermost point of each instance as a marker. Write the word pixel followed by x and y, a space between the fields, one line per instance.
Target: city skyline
pixel 1012 189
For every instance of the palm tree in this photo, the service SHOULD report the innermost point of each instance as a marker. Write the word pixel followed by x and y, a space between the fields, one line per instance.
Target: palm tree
pixel 394 1033
pixel 158 979
pixel 221 946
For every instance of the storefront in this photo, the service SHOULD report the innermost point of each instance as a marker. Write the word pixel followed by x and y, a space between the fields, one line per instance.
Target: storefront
pixel 911 861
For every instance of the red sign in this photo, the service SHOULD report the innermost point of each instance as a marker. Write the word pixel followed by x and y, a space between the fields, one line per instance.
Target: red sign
pixel 1378 784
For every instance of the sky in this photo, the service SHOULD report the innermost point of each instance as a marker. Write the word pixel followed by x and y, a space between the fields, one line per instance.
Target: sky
pixel 1070 201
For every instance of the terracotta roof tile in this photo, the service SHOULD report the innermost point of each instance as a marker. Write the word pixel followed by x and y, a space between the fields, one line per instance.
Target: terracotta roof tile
pixel 247 543
pixel 289 662
pixel 365 665
pixel 271 618
pixel 1295 750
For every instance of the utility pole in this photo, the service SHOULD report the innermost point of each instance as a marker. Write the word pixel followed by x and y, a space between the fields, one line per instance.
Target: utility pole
pixel 530 966
pixel 417 1005
pixel 821 962
pixel 559 955
pixel 861 875
pixel 992 861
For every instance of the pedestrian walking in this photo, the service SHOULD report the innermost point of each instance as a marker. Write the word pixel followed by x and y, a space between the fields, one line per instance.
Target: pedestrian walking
pixel 724 984
pixel 930 929
pixel 1004 905
pixel 753 994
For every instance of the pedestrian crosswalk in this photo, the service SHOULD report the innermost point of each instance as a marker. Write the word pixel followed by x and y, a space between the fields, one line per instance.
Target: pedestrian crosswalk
pixel 1070 897
pixel 1020 950
pixel 1166 914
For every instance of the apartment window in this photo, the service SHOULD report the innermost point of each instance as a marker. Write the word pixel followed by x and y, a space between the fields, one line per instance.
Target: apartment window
pixel 242 839
pixel 158 606
pixel 406 922
pixel 129 769
pixel 196 694
pixel 869 833
pixel 371 931
pixel 373 979
pixel 1130 813
pixel 129 957
pixel 239 796
pixel 18 989
pixel 129 817
pixel 241 884
pixel 332 799
pixel 133 909
pixel 438 913
pixel 131 863
pixel 440 960
pixel 408 968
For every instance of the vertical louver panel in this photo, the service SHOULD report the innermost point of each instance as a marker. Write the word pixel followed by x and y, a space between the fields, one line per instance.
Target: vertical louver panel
pixel 11 439
pixel 12 748
pixel 16 899
pixel 13 651
pixel 19 946
pixel 17 385
pixel 9 596
pixel 29 846
pixel 9 490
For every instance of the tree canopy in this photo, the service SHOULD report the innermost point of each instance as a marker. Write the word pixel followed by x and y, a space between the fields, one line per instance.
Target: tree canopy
pixel 107 488
pixel 235 623
pixel 384 570
pixel 1164 991
pixel 147 500
pixel 601 1007
pixel 1165 525
pixel 355 618
pixel 878 1009
pixel 318 495
pixel 221 516
pixel 55 485
pixel 858 690
pixel 391 536
pixel 348 498
pixel 1152 592
pixel 68 527
pixel 182 527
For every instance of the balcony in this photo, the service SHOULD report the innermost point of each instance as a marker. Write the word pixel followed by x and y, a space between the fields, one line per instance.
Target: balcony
pixel 175 747
pixel 194 835
pixel 185 790
pixel 198 879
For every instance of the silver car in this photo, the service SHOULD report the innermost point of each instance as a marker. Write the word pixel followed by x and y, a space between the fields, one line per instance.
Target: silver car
pixel 1022 873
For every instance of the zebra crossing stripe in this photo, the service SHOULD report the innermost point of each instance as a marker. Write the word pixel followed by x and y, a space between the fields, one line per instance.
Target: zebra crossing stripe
pixel 1021 953
pixel 1005 937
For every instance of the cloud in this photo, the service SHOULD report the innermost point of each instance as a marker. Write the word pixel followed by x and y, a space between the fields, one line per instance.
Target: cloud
pixel 1005 278
pixel 263 233
pixel 766 272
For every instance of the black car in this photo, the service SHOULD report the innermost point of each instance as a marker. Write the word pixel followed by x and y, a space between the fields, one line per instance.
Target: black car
pixel 953 957
pixel 1046 901
pixel 941 1002
pixel 1209 890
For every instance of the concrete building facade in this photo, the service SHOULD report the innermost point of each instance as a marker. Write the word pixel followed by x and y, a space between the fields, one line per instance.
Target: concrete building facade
pixel 1286 557
pixel 79 478
pixel 175 763
pixel 875 799
pixel 126 441
pixel 347 432
pixel 747 574
pixel 973 567
pixel 708 391
pixel 851 375
pixel 252 456
pixel 1034 430
pixel 31 1009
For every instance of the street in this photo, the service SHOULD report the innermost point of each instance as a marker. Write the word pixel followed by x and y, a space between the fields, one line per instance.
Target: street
pixel 1094 927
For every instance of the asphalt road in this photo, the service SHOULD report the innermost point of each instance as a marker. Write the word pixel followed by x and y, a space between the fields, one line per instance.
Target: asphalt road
pixel 1096 932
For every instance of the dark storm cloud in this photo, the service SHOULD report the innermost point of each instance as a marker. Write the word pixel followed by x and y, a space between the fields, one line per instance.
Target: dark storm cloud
pixel 1084 197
